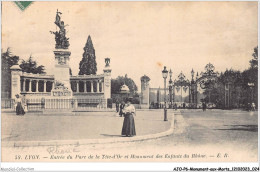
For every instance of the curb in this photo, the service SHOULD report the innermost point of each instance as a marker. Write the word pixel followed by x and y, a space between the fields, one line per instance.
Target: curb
pixel 89 141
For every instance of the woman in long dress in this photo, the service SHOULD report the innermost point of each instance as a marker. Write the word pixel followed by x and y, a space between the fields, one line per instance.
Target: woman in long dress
pixel 129 122
pixel 19 108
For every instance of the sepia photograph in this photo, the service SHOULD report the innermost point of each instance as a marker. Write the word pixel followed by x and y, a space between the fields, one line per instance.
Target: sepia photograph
pixel 142 81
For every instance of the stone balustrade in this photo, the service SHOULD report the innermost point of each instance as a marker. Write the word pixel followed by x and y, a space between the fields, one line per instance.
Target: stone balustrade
pixel 87 85
pixel 36 85
pixel 41 83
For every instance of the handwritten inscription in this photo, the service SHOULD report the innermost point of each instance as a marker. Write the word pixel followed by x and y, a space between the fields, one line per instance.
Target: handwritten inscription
pixel 61 150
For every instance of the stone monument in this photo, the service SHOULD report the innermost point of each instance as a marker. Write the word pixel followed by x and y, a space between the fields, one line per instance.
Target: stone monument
pixel 62 57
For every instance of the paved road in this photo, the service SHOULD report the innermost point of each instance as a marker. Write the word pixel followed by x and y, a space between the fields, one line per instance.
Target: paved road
pixel 218 127
pixel 214 136
pixel 77 126
pixel 233 134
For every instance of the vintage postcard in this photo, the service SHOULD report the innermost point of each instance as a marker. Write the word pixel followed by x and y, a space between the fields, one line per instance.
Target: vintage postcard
pixel 129 81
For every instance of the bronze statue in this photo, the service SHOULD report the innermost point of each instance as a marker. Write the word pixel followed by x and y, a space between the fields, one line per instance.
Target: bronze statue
pixel 60 37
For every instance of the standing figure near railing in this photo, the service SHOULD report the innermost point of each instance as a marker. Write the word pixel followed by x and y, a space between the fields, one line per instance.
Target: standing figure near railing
pixel 129 123
pixel 18 103
pixel 121 108
pixel 24 103
pixel 117 106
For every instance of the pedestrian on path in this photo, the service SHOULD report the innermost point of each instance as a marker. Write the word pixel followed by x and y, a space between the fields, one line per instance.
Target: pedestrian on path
pixel 253 106
pixel 117 106
pixel 19 108
pixel 175 106
pixel 121 108
pixel 204 106
pixel 129 123
pixel 24 104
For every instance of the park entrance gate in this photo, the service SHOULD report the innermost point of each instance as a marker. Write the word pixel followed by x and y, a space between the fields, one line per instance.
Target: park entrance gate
pixel 181 90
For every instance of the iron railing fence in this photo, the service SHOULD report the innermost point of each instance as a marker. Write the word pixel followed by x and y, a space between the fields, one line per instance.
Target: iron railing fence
pixel 40 104
pixel 7 103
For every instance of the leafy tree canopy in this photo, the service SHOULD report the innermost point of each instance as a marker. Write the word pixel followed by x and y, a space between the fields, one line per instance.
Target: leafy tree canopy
pixel 30 66
pixel 7 56
pixel 243 86
pixel 254 61
pixel 117 83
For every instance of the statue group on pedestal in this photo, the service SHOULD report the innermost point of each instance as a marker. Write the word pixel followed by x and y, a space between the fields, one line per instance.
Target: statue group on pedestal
pixel 60 36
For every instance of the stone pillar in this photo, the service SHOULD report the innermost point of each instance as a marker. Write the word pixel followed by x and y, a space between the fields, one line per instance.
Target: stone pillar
pixel 52 85
pixel 30 86
pixel 45 86
pixel 91 87
pixel 61 70
pixel 16 73
pixel 24 81
pixel 145 89
pixel 102 86
pixel 77 84
pixel 85 86
pixel 107 79
pixel 36 89
pixel 98 87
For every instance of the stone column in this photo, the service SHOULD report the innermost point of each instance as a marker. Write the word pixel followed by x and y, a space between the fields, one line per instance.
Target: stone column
pixel 85 86
pixel 45 86
pixel 30 85
pixel 77 83
pixel 71 86
pixel 24 81
pixel 98 87
pixel 36 89
pixel 52 86
pixel 102 86
pixel 91 87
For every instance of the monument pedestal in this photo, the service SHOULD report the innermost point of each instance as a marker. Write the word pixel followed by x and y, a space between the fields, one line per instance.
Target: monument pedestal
pixel 61 93
pixel 62 86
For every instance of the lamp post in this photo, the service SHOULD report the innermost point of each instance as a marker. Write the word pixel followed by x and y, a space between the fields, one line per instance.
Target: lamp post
pixel 192 75
pixel 227 101
pixel 170 88
pixel 165 74
pixel 192 86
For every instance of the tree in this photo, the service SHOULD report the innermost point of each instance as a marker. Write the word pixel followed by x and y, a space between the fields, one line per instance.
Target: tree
pixel 7 61
pixel 88 65
pixel 7 56
pixel 230 85
pixel 117 83
pixel 243 86
pixel 30 66
pixel 250 76
pixel 254 61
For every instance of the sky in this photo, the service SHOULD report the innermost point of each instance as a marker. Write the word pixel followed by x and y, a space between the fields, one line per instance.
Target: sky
pixel 139 37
